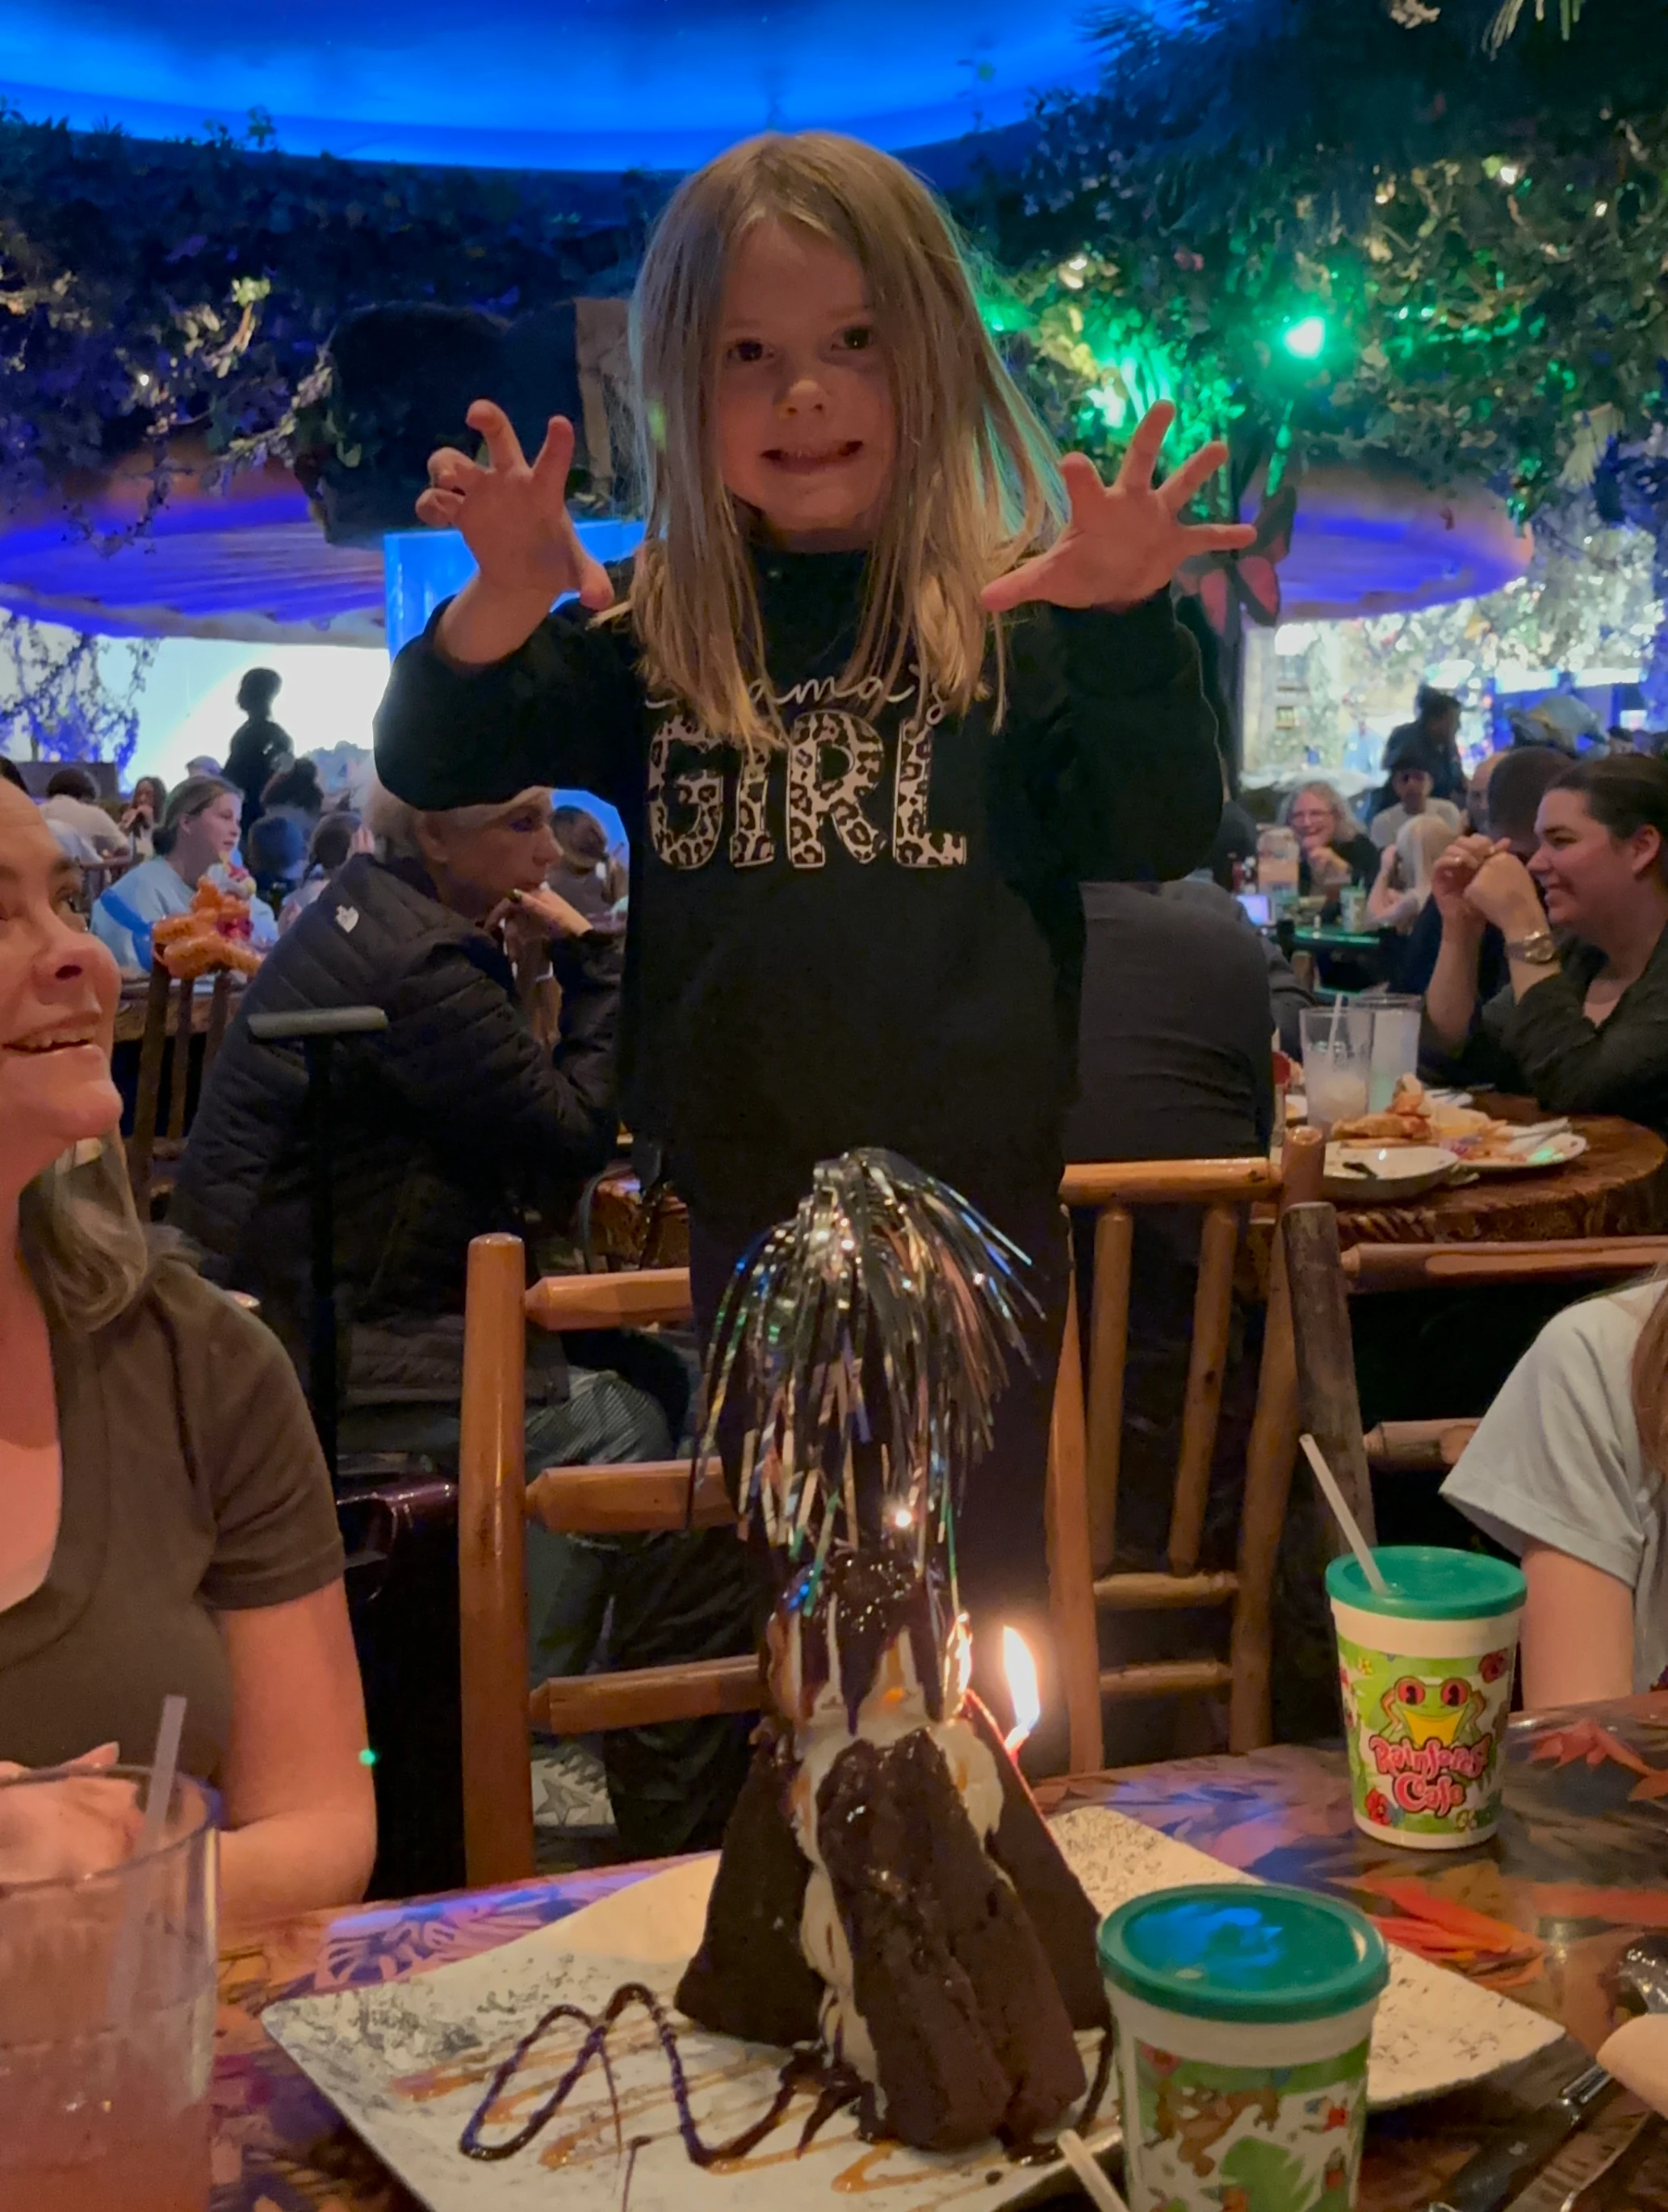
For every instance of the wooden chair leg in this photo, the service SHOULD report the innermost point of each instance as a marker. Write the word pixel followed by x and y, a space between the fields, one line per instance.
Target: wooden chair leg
pixel 180 1074
pixel 1071 1575
pixel 1108 1353
pixel 1269 1456
pixel 1328 1405
pixel 492 1543
pixel 1213 1316
pixel 153 1042
pixel 220 1013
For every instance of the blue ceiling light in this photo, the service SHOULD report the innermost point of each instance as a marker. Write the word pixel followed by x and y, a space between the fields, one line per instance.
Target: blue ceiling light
pixel 1305 340
pixel 594 85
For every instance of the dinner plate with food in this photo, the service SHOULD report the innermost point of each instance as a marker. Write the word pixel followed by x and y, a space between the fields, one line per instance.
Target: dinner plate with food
pixel 1418 1119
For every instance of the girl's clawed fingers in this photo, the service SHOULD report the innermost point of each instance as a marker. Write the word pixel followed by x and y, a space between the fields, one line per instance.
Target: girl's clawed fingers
pixel 440 509
pixel 498 436
pixel 1176 490
pixel 451 470
pixel 1140 458
pixel 1217 537
pixel 555 455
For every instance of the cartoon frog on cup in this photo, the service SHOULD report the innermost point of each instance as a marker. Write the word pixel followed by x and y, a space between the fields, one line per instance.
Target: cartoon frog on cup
pixel 1444 1709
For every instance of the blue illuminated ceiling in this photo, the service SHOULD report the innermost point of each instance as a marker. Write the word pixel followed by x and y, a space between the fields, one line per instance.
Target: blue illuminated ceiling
pixel 588 84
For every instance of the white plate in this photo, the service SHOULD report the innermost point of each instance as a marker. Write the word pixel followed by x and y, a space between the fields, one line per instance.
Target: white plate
pixel 1384 1173
pixel 386 2056
pixel 1536 1157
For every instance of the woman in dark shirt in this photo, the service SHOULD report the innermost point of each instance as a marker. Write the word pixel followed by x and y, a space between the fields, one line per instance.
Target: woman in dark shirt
pixel 1583 1023
pixel 1333 849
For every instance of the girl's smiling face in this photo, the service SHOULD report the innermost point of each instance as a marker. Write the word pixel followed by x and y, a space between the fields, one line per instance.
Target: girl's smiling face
pixel 803 408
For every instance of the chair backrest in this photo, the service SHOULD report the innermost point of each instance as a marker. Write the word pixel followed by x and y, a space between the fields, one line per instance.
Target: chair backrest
pixel 170 1007
pixel 495 1501
pixel 1087 1441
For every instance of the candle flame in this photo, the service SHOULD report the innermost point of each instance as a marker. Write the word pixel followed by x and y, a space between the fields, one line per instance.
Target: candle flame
pixel 1021 1669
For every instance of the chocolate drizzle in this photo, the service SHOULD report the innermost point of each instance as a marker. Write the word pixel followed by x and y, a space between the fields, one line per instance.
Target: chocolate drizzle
pixel 865 1601
pixel 837 2085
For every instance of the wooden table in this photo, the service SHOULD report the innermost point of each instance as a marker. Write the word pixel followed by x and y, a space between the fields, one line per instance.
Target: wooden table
pixel 1617 1188
pixel 1580 1862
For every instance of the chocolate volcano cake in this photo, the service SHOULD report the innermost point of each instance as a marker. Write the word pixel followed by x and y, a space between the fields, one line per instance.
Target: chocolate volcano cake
pixel 887 1894
pixel 887 1887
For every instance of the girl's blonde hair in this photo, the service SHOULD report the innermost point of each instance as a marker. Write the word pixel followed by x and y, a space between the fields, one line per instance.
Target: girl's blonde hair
pixel 87 1254
pixel 1420 844
pixel 975 486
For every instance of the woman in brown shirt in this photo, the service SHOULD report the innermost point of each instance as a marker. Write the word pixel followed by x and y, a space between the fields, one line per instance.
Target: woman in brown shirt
pixel 166 1519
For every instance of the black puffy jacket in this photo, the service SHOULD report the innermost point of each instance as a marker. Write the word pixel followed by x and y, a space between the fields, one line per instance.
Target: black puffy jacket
pixel 448 1124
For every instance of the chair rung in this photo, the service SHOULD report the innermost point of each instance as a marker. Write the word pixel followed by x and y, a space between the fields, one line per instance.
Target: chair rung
pixel 635 1298
pixel 581 1705
pixel 635 1498
pixel 1134 1593
pixel 1167 1678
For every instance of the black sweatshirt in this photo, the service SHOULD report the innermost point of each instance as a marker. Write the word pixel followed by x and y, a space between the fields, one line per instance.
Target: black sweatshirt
pixel 874 937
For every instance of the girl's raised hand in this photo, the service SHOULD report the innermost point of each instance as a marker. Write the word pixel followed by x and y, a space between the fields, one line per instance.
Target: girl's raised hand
pixel 513 513
pixel 1125 540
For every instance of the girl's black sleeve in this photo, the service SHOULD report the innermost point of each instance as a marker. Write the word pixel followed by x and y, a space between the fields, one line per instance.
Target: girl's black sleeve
pixel 566 709
pixel 1118 744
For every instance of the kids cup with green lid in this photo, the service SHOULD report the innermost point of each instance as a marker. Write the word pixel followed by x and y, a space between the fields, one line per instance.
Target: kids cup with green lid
pixel 1425 1669
pixel 1243 2013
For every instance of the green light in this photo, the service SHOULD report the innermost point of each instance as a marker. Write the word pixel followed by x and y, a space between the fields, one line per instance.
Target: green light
pixel 1304 340
pixel 367 1757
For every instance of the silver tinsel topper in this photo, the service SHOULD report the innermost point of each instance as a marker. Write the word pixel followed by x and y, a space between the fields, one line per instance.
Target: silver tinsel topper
pixel 873 1332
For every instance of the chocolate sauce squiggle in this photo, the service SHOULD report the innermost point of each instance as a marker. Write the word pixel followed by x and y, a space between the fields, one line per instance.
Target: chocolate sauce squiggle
pixel 594 2051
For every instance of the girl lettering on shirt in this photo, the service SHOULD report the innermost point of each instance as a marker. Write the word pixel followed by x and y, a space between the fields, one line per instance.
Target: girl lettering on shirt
pixel 889 682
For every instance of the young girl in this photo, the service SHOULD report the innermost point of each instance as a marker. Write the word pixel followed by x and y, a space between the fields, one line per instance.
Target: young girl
pixel 1567 1472
pixel 860 803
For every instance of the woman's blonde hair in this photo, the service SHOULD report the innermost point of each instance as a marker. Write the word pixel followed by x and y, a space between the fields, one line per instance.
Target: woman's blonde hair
pixel 975 486
pixel 87 1254
pixel 394 824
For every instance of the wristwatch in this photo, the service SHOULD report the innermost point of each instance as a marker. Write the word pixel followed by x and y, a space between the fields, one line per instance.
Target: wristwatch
pixel 1539 949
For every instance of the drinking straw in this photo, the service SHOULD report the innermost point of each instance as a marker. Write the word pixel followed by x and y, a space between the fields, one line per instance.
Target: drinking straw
pixel 1345 1519
pixel 1078 2156
pixel 124 1958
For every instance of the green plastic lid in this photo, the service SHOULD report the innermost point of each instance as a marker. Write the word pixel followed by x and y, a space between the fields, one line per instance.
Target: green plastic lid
pixel 1244 1951
pixel 1429 1583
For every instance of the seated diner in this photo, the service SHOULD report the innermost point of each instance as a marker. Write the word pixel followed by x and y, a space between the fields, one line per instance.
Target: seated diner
pixel 169 1525
pixel 197 838
pixel 1583 1020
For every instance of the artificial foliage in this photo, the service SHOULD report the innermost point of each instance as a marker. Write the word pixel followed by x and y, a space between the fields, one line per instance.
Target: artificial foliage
pixel 158 293
pixel 1314 226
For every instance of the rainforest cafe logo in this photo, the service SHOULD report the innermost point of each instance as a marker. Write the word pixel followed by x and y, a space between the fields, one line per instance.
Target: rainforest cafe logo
pixel 1429 1777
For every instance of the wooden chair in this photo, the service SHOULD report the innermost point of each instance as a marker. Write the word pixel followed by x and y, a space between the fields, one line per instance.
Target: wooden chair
pixel 1083 1459
pixel 494 1503
pixel 147 1146
pixel 1328 1276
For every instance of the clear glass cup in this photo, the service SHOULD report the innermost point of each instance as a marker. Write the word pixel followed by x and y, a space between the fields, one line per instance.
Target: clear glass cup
pixel 1337 1062
pixel 107 1997
pixel 1396 1024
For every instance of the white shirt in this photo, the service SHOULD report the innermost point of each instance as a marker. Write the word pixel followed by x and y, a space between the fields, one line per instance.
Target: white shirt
pixel 1557 1460
pixel 1383 828
pixel 92 823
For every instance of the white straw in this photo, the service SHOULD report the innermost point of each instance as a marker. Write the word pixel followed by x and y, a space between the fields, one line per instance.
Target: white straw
pixel 124 1958
pixel 1345 1519
pixel 1078 2156
pixel 1337 1021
